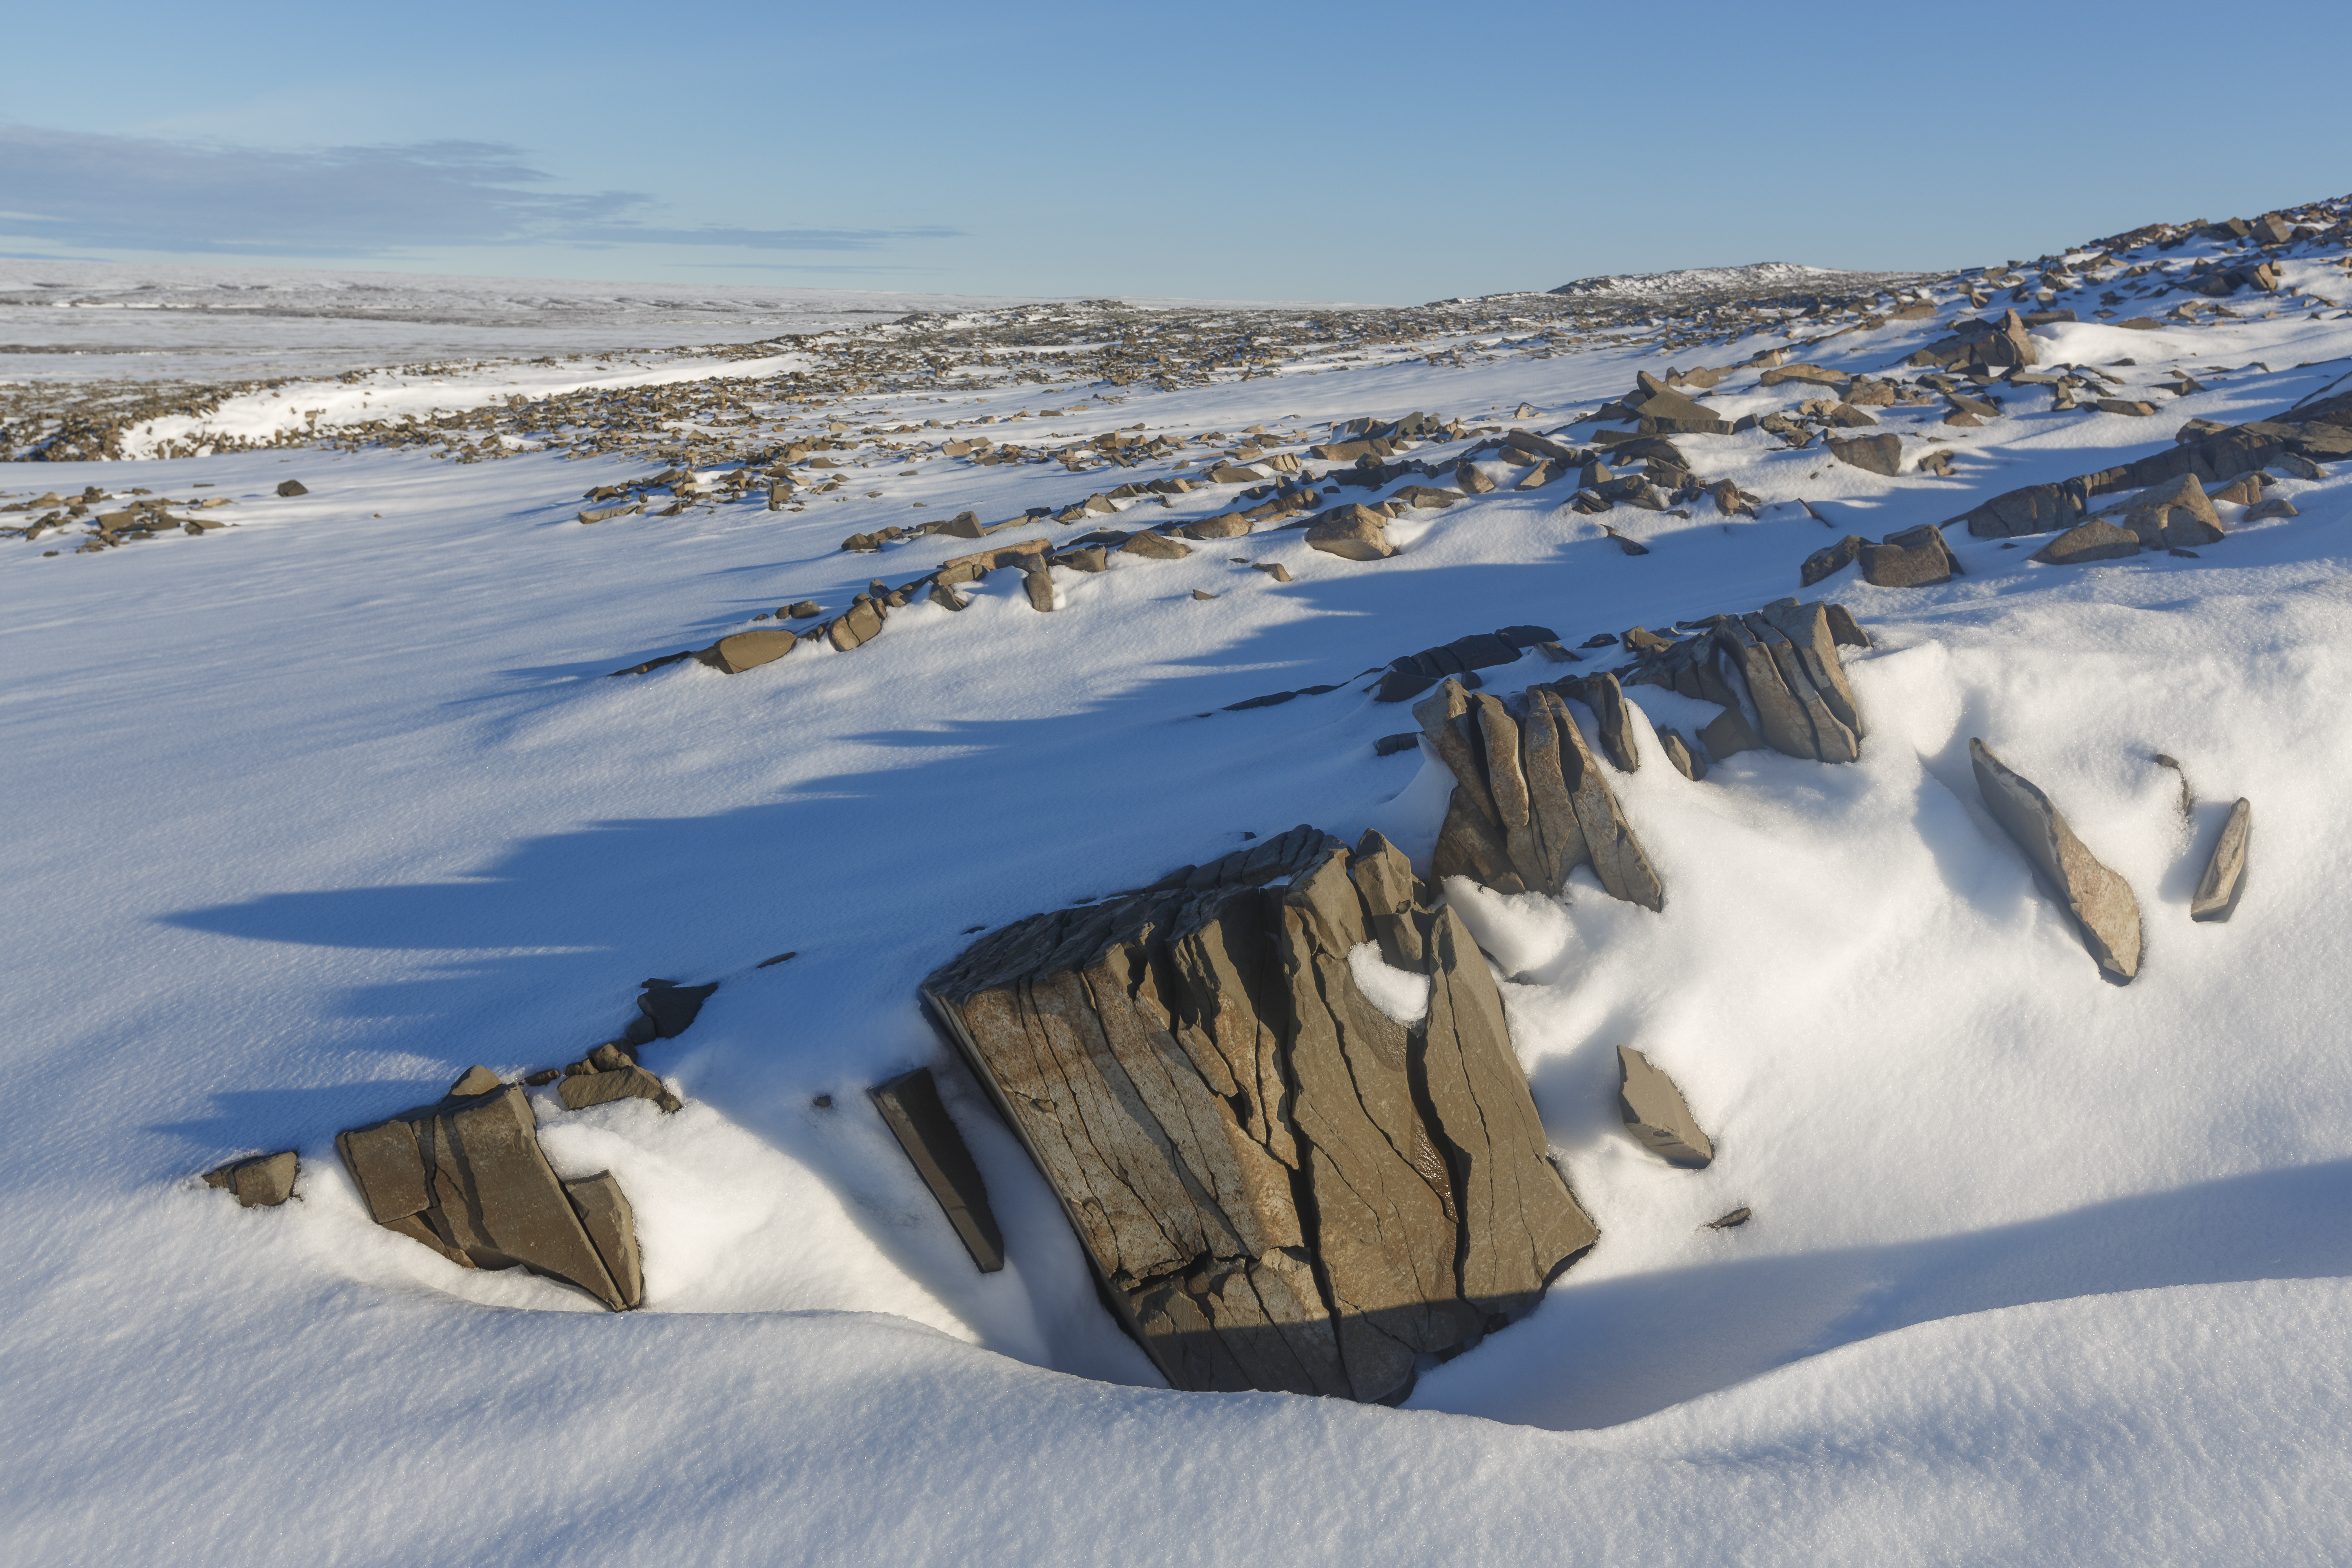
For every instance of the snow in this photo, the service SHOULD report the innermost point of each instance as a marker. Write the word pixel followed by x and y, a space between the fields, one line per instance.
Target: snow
pixel 311 813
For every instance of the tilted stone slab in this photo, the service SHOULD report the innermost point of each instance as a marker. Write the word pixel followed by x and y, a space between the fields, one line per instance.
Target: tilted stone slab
pixel 1280 1186
pixel 1655 1110
pixel 2216 897
pixel 911 1109
pixel 2100 900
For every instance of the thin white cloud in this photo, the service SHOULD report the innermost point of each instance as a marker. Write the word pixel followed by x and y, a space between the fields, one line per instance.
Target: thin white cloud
pixel 129 193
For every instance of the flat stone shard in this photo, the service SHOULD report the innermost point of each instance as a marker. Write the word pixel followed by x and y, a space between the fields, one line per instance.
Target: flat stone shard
pixel 2216 897
pixel 466 1177
pixel 1655 1109
pixel 2101 901
pixel 749 650
pixel 1279 1186
pixel 579 1090
pixel 911 1109
pixel 261 1183
pixel 474 1081
pixel 611 1225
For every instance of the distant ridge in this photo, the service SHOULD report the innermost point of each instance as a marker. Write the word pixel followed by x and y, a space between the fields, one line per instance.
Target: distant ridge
pixel 1757 277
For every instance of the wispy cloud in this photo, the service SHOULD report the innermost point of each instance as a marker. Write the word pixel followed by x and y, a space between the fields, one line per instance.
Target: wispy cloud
pixel 126 193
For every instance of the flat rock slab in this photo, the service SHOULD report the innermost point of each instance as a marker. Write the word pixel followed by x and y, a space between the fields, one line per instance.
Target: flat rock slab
pixel 1279 1185
pixel 1656 1111
pixel 261 1183
pixel 2097 540
pixel 2216 897
pixel 911 1109
pixel 2100 900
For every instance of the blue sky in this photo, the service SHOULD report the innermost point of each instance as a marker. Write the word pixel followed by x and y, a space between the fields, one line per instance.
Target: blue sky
pixel 1375 152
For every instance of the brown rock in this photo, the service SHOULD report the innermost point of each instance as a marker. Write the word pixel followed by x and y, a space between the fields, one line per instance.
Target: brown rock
pixel 264 1181
pixel 1655 1109
pixel 1915 558
pixel 749 650
pixel 2216 897
pixel 1872 454
pixel 1274 569
pixel 911 1109
pixel 293 488
pixel 2096 539
pixel 1353 532
pixel 580 1090
pixel 2101 901
pixel 1729 734
pixel 612 1226
pixel 1831 559
pixel 1155 546
pixel 1473 482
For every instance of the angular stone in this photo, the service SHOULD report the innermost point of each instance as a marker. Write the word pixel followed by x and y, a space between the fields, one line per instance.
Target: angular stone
pixel 261 1183
pixel 1653 1108
pixel 474 1081
pixel 1037 583
pixel 2035 508
pixel 1607 700
pixel 1729 734
pixel 2101 901
pixel 2175 515
pixel 2216 897
pixel 1155 546
pixel 1780 716
pixel 580 1090
pixel 1353 532
pixel 1473 482
pixel 2097 540
pixel 911 1109
pixel 1231 525
pixel 803 609
pixel 1691 765
pixel 1833 741
pixel 1617 856
pixel 1872 454
pixel 612 1226
pixel 292 488
pixel 672 1009
pixel 860 626
pixel 1915 558
pixel 1274 569
pixel 1831 559
pixel 1811 631
pixel 749 650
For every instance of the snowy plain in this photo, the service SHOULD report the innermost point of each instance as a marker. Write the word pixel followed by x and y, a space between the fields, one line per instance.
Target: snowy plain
pixel 310 815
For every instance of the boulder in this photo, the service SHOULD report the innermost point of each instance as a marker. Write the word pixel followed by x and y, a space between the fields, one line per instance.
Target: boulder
pixel 2034 509
pixel 1831 559
pixel 1472 482
pixel 2101 901
pixel 1914 558
pixel 1228 525
pixel 672 1009
pixel 474 1081
pixel 2096 539
pixel 1279 1185
pixel 292 488
pixel 910 1107
pixel 2216 897
pixel 803 609
pixel 749 650
pixel 466 1177
pixel 1872 454
pixel 260 1183
pixel 1155 546
pixel 1729 734
pixel 601 1086
pixel 1353 532
pixel 2174 515
pixel 861 625
pixel 1653 1108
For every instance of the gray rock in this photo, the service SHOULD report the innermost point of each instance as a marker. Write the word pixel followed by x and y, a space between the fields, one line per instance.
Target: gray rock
pixel 2096 539
pixel 1653 1108
pixel 1037 582
pixel 1872 454
pixel 1915 558
pixel 1390 745
pixel 803 609
pixel 2035 508
pixel 2225 873
pixel 672 1009
pixel 1691 765
pixel 1274 569
pixel 911 1109
pixel 1831 559
pixel 474 1081
pixel 263 1182
pixel 1729 734
pixel 1155 546
pixel 2173 515
pixel 292 488
pixel 2273 506
pixel 467 1178
pixel 612 1226
pixel 1607 700
pixel 2101 901
pixel 1473 482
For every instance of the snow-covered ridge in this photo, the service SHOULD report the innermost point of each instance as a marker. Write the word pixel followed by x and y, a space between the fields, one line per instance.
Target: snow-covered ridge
pixel 1757 277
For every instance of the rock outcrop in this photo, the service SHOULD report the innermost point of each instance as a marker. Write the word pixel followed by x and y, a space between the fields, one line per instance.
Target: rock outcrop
pixel 2100 900
pixel 1782 660
pixel 1280 1185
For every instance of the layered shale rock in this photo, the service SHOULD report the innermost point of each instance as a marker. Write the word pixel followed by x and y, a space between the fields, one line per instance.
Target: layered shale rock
pixel 467 1178
pixel 1783 660
pixel 1279 1185
pixel 1529 803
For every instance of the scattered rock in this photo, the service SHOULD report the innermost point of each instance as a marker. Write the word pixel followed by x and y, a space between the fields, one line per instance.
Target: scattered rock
pixel 911 1109
pixel 1915 558
pixel 803 609
pixel 1274 569
pixel 1353 532
pixel 1732 1220
pixel 261 1183
pixel 1686 762
pixel 604 1085
pixel 292 488
pixel 474 1081
pixel 607 513
pixel 1872 454
pixel 1278 1185
pixel 1155 546
pixel 2101 901
pixel 749 650
pixel 1653 1108
pixel 671 1009
pixel 1831 559
pixel 1390 745
pixel 2097 540
pixel 2225 874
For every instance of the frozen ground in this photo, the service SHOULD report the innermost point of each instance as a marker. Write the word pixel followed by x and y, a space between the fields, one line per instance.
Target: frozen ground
pixel 310 814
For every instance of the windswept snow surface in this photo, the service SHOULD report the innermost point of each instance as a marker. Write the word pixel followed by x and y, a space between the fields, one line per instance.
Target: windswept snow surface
pixel 310 814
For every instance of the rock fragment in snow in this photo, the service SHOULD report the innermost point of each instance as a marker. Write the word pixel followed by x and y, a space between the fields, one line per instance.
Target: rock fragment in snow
pixel 2100 900
pixel 1279 1186
pixel 292 488
pixel 2216 897
pixel 749 650
pixel 1155 546
pixel 263 1182
pixel 1653 1108
pixel 466 1177
pixel 604 1085
pixel 910 1107
pixel 612 1226
pixel 2097 540
pixel 1353 532
pixel 1914 558
pixel 1872 454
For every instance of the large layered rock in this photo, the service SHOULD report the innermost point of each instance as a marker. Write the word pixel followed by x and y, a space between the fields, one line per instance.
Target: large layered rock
pixel 1783 660
pixel 1279 1185
pixel 1530 802
pixel 2100 900
pixel 467 1178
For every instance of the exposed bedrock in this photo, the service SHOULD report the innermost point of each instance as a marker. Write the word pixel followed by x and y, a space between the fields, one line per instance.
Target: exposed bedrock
pixel 1280 1185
